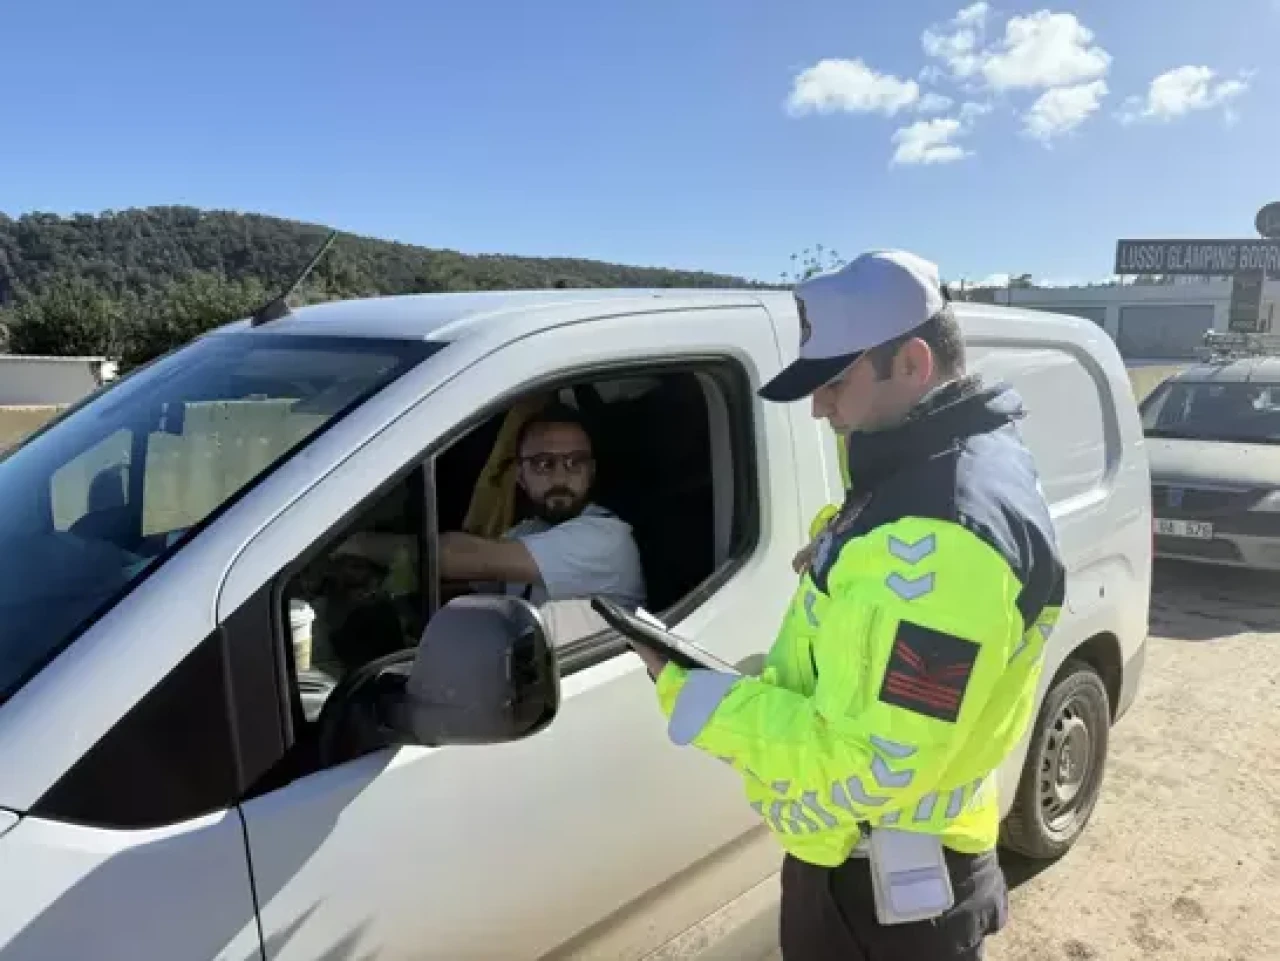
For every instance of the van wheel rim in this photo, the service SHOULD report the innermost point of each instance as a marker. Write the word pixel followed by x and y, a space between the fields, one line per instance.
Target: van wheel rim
pixel 1066 767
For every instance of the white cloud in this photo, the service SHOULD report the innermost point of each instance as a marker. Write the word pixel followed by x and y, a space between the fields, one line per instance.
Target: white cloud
pixel 1182 90
pixel 1060 110
pixel 976 15
pixel 933 141
pixel 957 42
pixel 1038 51
pixel 849 86
pixel 929 142
pixel 934 103
pixel 1044 49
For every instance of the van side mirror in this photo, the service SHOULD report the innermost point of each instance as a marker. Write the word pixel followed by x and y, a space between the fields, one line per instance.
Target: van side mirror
pixel 484 673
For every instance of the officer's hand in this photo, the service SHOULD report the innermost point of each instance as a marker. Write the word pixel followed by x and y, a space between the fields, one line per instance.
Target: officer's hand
pixel 653 660
pixel 800 563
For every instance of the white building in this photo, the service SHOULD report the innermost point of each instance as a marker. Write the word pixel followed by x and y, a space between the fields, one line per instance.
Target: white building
pixel 1149 322
pixel 50 381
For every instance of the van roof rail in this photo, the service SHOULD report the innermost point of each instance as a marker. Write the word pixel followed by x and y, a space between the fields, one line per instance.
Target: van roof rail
pixel 1221 346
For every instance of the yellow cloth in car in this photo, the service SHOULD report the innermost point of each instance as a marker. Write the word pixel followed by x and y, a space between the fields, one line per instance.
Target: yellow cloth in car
pixel 492 509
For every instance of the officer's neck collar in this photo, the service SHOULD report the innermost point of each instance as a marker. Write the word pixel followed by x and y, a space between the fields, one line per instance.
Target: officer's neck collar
pixel 946 415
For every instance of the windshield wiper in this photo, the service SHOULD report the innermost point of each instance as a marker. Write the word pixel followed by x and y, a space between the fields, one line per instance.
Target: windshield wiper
pixel 1166 434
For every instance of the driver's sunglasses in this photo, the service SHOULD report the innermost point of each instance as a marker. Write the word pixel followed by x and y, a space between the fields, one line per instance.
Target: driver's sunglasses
pixel 573 462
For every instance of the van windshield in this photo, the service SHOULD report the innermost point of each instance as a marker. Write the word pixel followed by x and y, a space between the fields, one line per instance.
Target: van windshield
pixel 1241 412
pixel 101 496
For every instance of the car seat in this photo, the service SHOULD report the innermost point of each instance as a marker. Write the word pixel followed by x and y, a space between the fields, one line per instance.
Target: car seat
pixel 654 453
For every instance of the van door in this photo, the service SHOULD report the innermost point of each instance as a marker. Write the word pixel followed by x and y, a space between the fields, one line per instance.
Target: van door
pixel 511 851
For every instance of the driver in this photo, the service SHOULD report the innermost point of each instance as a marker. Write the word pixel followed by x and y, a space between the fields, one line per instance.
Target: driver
pixel 570 548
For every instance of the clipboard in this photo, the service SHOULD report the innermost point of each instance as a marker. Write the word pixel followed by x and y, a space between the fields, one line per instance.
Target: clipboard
pixel 644 628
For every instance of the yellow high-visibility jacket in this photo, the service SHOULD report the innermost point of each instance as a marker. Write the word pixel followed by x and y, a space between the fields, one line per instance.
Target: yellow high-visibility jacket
pixel 907 663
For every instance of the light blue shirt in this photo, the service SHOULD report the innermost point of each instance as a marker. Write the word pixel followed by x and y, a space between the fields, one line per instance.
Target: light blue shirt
pixel 593 553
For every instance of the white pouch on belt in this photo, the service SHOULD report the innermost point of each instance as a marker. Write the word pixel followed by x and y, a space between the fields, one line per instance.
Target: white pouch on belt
pixel 910 876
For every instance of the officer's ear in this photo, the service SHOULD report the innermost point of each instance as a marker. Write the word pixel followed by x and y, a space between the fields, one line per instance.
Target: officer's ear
pixel 915 361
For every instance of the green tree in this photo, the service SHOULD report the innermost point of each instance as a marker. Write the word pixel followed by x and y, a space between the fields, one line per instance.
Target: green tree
pixel 185 309
pixel 810 262
pixel 70 317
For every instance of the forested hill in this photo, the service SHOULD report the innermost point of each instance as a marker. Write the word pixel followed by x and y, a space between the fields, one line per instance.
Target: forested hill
pixel 139 250
pixel 134 283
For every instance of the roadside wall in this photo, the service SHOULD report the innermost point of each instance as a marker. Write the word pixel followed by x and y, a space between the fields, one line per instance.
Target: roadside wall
pixel 37 381
pixel 1161 323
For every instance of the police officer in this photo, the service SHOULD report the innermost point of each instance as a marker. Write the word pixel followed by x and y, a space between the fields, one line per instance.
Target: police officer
pixel 906 666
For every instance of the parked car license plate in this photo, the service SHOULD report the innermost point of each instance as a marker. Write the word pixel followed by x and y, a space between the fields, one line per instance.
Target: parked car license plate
pixel 1200 530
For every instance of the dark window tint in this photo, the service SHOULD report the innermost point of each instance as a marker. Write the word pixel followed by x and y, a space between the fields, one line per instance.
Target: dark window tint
pixel 171 758
pixel 103 495
pixel 1246 412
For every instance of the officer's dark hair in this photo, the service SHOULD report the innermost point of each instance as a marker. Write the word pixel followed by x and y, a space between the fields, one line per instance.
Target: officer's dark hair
pixel 554 413
pixel 941 332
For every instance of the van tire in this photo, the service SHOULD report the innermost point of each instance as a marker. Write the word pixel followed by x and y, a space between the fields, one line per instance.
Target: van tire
pixel 1066 759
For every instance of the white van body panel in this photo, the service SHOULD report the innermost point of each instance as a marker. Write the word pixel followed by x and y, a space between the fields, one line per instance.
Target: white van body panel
pixel 178 892
pixel 1090 453
pixel 597 837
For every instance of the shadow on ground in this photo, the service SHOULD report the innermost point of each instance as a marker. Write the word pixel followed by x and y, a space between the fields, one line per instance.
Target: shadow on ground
pixel 1019 870
pixel 1194 602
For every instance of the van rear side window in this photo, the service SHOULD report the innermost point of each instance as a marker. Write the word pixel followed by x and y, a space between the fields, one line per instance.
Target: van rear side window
pixel 103 495
pixel 1066 427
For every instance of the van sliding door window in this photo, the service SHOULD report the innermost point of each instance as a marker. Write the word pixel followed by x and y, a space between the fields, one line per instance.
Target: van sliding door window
pixel 105 494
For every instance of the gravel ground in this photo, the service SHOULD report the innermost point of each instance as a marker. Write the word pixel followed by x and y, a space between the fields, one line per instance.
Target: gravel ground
pixel 1182 858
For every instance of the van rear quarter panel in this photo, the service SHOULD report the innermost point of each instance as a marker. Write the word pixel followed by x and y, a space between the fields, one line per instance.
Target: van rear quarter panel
pixel 1082 426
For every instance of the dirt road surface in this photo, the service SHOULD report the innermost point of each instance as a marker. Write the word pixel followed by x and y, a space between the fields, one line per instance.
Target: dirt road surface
pixel 1182 858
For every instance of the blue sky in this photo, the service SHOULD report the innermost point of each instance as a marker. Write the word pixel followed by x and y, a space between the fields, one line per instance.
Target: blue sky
pixel 719 134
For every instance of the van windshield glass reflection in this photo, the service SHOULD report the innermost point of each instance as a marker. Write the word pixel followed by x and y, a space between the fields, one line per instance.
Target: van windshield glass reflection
pixel 102 496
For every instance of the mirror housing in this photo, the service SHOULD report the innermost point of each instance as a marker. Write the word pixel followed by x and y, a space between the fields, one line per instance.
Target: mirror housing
pixel 484 673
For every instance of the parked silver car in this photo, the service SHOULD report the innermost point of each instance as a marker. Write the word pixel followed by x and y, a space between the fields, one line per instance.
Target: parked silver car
pixel 1213 433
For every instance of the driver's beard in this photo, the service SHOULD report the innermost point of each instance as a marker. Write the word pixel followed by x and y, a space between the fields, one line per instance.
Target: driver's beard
pixel 562 510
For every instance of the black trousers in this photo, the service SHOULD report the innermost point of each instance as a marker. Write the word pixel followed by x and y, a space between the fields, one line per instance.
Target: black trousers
pixel 829 914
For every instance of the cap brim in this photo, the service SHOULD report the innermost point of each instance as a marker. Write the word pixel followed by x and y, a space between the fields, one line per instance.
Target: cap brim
pixel 803 377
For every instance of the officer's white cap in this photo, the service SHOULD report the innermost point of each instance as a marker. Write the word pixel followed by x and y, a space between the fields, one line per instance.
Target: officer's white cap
pixel 881 295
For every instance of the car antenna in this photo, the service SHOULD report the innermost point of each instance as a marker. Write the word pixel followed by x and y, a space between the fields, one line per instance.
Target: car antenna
pixel 278 306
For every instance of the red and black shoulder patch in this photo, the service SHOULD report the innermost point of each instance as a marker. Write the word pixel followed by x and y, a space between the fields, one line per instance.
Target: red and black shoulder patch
pixel 928 672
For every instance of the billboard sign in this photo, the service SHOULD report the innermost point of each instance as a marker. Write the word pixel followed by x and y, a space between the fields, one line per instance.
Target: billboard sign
pixel 1245 314
pixel 1223 257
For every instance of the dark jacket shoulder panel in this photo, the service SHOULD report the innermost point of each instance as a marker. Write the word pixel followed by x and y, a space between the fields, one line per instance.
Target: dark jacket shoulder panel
pixel 985 481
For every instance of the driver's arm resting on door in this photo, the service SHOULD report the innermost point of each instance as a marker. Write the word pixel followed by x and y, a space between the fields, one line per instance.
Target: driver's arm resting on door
pixel 465 557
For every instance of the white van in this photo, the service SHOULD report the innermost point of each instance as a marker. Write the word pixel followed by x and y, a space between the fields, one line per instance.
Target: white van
pixel 205 750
